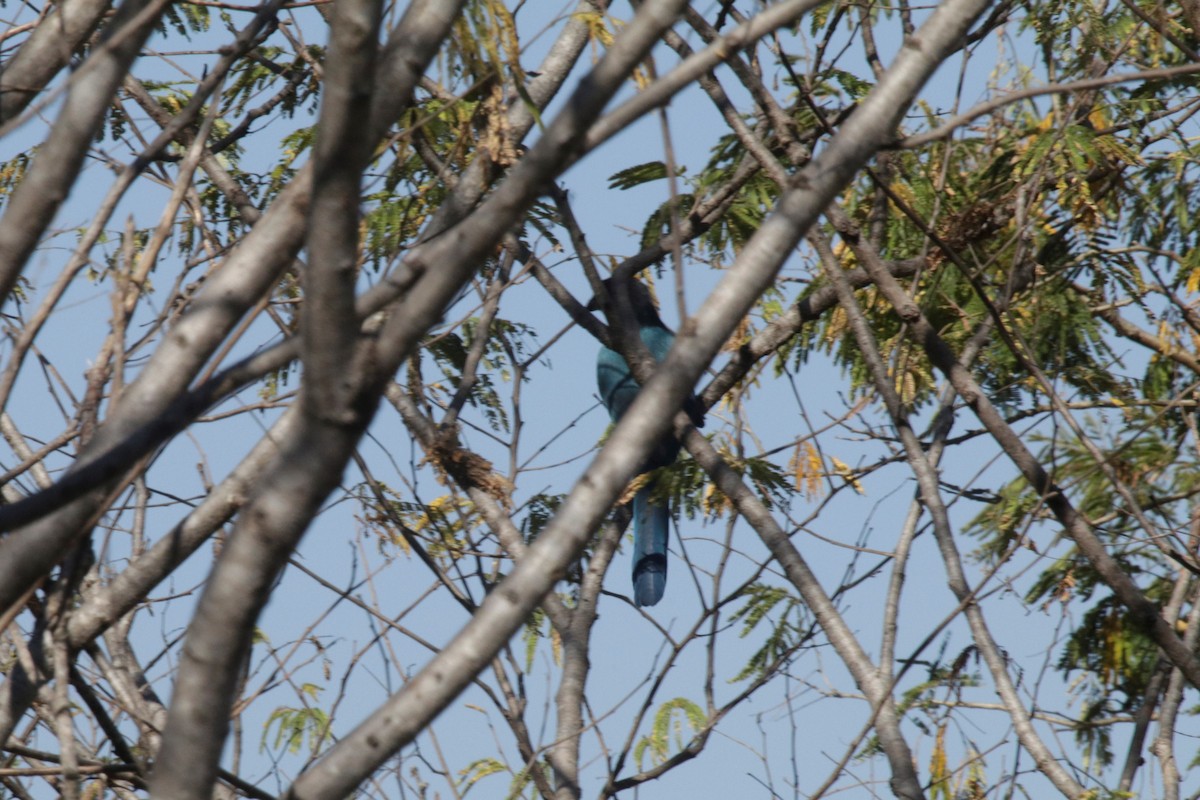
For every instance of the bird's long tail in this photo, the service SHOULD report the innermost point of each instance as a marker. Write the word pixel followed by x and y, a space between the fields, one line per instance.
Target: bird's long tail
pixel 651 525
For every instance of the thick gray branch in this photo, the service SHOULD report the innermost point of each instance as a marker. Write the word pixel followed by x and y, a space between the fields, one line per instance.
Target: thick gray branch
pixel 47 50
pixel 36 200
pixel 328 324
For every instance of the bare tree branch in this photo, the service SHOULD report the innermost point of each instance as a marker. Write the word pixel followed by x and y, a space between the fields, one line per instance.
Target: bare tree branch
pixel 33 205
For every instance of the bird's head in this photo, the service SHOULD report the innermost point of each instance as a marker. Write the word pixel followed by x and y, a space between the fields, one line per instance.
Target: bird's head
pixel 640 300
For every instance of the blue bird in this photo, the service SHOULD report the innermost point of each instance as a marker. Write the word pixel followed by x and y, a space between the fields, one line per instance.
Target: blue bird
pixel 618 387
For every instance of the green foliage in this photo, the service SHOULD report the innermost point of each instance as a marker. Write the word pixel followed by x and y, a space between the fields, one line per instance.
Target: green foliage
pixel 855 87
pixel 1115 651
pixel 294 145
pixel 694 494
pixel 1145 455
pixel 749 207
pixel 1159 207
pixel 537 629
pixel 541 218
pixel 538 511
pixel 12 172
pixel 743 218
pixel 120 259
pixel 659 224
pixel 389 224
pixel 1001 524
pixel 293 726
pixel 820 15
pixel 442 522
pixel 263 73
pixel 523 780
pixel 946 679
pixel 1108 651
pixel 772 482
pixel 484 43
pixel 923 705
pixel 411 191
pixel 506 343
pixel 450 352
pixel 477 770
pixel 1107 794
pixel 639 174
pixel 1150 464
pixel 668 728
pixel 787 622
pixel 1065 339
pixel 185 19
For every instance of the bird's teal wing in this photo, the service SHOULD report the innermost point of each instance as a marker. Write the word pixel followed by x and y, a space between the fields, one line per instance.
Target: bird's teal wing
pixel 658 341
pixel 615 381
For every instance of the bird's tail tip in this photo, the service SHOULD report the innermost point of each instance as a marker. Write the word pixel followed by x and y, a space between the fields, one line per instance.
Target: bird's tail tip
pixel 649 580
